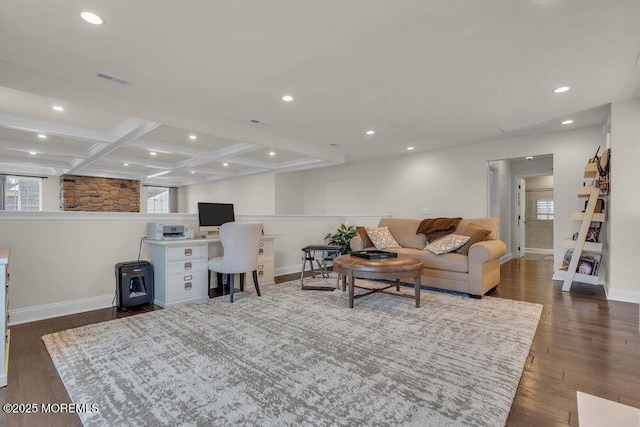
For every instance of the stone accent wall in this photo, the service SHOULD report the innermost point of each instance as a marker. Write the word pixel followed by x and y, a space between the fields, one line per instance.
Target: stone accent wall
pixel 88 193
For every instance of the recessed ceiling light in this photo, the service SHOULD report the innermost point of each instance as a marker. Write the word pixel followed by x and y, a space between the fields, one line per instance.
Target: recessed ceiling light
pixel 370 132
pixel 153 153
pixel 561 89
pixel 193 137
pixel 193 171
pixel 58 108
pixel 410 148
pixel 287 98
pixel 92 18
pixel 42 136
pixel 125 164
pixel 272 153
pixel 567 122
pixel 225 164
pixel 33 153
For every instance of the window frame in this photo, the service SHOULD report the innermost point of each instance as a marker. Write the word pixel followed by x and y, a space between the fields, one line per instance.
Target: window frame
pixel 545 209
pixel 3 191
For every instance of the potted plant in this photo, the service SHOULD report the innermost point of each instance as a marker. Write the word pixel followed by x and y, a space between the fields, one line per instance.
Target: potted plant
pixel 342 236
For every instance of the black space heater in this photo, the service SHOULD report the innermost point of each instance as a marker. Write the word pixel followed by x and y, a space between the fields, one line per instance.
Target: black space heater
pixel 134 283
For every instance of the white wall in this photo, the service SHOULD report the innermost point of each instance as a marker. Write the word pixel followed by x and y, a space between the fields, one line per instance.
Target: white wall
pixel 251 195
pixel 452 182
pixel 624 201
pixel 64 262
pixel 505 201
pixel 51 194
pixel 289 190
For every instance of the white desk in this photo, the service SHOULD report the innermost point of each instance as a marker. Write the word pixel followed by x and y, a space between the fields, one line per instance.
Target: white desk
pixel 180 267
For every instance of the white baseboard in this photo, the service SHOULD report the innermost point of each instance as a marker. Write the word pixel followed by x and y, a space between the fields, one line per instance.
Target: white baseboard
pixel 622 295
pixel 288 269
pixel 48 311
pixel 538 251
pixel 506 257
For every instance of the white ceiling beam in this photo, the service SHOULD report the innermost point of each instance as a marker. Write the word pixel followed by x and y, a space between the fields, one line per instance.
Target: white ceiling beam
pixel 149 163
pixel 222 154
pixel 133 132
pixel 253 162
pixel 169 148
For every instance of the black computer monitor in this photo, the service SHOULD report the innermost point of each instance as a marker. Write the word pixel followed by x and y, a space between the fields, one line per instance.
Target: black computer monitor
pixel 212 215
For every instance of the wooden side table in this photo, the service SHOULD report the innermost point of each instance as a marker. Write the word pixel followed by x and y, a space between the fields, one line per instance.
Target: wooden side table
pixel 384 269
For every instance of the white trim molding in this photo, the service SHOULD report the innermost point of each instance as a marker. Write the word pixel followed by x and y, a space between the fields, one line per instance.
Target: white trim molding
pixel 48 311
pixel 623 295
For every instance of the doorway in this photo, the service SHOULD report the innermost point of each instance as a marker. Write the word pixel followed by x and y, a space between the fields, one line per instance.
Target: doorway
pixel 520 192
pixel 538 210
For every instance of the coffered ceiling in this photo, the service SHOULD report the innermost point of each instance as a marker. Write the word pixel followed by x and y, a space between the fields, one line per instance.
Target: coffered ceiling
pixel 421 74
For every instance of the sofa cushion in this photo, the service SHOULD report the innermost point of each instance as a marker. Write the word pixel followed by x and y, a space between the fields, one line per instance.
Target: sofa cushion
pixel 446 262
pixel 366 241
pixel 404 231
pixel 476 234
pixel 382 237
pixel 446 244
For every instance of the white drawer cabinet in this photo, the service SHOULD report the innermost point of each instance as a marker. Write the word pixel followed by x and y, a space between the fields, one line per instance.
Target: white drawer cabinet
pixel 179 271
pixel 4 314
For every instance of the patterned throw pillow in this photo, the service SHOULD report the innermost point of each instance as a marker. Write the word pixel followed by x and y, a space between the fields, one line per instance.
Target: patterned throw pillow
pixel 382 237
pixel 448 243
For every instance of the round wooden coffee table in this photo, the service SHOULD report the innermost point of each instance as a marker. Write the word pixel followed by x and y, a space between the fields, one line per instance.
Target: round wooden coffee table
pixel 385 269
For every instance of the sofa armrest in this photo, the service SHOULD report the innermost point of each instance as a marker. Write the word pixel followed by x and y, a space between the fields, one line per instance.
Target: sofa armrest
pixel 487 250
pixel 356 243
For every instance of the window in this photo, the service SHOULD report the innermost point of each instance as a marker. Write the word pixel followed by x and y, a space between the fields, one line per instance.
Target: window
pixel 20 193
pixel 158 200
pixel 544 208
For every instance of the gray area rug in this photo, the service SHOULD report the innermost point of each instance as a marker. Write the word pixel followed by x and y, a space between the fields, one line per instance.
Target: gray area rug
pixel 294 357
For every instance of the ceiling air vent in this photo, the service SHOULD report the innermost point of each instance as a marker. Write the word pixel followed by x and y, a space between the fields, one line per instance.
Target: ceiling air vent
pixel 523 127
pixel 113 79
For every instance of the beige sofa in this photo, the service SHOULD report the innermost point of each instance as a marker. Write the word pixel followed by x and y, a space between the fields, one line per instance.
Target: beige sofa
pixel 476 273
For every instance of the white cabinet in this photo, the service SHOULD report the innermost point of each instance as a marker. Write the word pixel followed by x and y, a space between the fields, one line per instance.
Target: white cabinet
pixel 179 271
pixel 4 314
pixel 180 268
pixel 265 261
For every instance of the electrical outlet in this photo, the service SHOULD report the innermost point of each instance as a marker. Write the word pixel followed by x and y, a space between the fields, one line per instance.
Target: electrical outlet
pixel 426 211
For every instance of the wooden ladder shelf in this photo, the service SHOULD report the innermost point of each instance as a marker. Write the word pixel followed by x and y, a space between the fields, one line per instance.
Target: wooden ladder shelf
pixel 581 244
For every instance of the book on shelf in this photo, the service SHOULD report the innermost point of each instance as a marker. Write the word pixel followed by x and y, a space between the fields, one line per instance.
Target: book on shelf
pixel 589 262
pixel 593 234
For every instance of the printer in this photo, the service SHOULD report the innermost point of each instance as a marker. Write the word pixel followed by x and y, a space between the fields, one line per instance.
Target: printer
pixel 158 231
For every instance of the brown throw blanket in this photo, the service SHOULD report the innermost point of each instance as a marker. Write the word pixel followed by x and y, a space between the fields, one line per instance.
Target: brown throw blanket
pixel 434 228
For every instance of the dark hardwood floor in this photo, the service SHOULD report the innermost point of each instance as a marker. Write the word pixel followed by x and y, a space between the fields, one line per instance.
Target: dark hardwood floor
pixel 583 342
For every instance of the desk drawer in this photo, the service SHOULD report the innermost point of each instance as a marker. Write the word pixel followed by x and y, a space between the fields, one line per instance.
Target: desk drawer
pixel 265 250
pixel 186 287
pixel 187 265
pixel 182 252
pixel 265 273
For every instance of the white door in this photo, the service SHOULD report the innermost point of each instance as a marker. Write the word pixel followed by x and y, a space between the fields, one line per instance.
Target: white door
pixel 521 218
